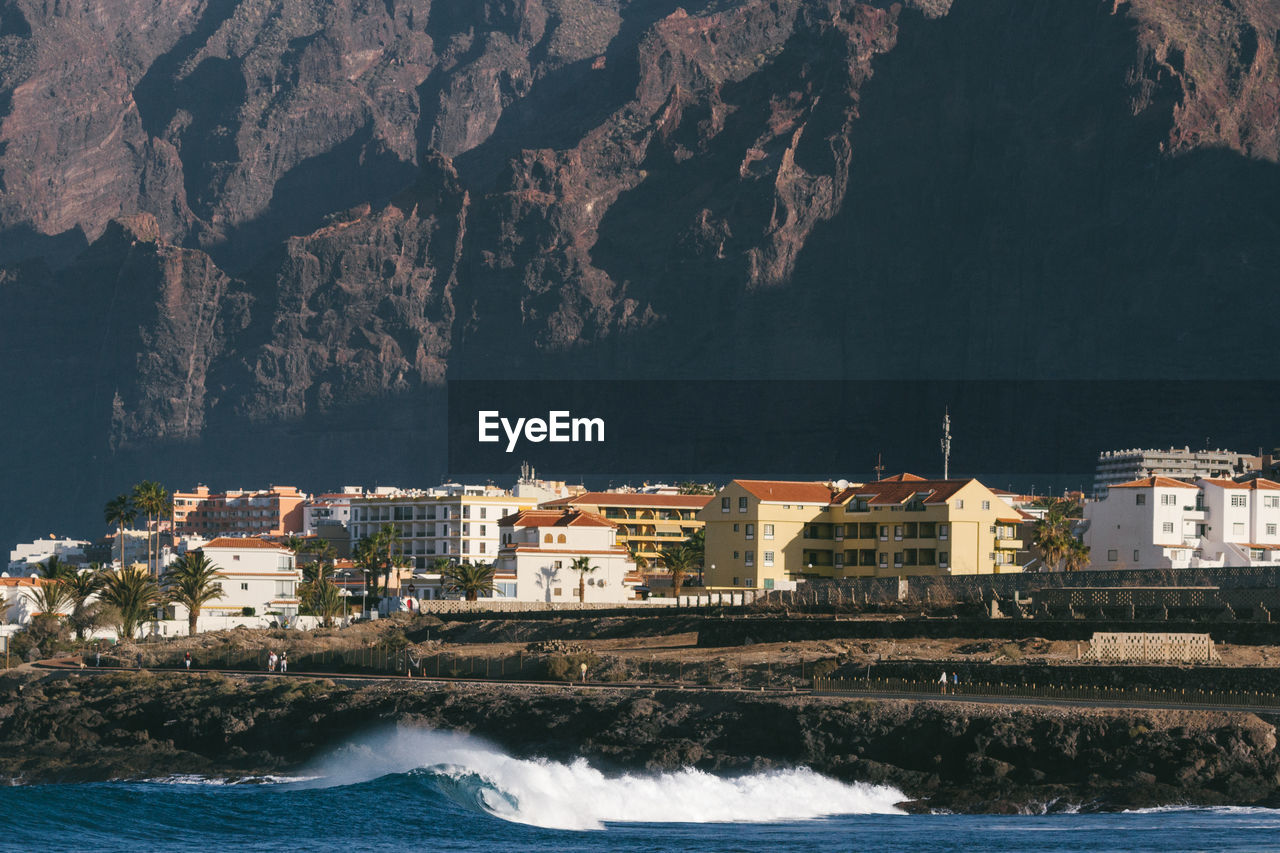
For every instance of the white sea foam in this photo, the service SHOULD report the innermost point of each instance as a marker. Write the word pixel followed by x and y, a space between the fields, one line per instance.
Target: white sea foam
pixel 196 779
pixel 577 796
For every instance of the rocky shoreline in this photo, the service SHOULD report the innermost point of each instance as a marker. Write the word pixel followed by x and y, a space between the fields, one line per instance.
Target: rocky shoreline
pixel 59 727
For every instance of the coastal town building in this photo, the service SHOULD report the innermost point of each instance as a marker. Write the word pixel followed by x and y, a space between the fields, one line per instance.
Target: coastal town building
pixel 454 521
pixel 26 557
pixel 769 534
pixel 648 522
pixel 1160 522
pixel 276 511
pixel 538 550
pixel 1115 467
pixel 257 577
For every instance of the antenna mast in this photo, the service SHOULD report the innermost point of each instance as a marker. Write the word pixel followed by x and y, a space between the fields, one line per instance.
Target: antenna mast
pixel 946 444
pixel 879 469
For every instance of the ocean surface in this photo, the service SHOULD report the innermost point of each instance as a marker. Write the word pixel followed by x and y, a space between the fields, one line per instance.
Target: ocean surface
pixel 415 790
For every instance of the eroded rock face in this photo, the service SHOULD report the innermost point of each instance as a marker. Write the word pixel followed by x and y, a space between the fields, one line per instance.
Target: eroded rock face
pixel 349 201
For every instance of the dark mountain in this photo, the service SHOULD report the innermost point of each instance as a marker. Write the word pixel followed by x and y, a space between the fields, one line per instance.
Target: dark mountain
pixel 246 241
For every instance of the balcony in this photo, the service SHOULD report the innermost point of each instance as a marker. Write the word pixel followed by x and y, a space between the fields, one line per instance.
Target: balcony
pixel 1008 544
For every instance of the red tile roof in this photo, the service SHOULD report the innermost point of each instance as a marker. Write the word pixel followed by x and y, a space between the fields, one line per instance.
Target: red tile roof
pixel 555 518
pixel 633 499
pixel 1154 482
pixel 901 488
pixel 788 491
pixel 1225 484
pixel 247 542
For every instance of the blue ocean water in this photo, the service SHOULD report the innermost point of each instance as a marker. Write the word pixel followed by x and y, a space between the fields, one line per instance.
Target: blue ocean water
pixel 379 795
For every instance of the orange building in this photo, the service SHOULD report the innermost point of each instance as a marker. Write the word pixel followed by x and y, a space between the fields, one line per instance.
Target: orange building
pixel 276 511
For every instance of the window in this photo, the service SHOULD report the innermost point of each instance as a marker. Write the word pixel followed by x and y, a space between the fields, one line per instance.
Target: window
pixel 724 504
pixel 742 504
pixel 235 558
pixel 1237 529
pixel 897 532
pixel 884 559
pixel 839 531
pixel 557 591
pixel 558 564
pixel 466 528
pixel 244 586
pixel 548 539
pixel 942 559
pixel 1271 530
pixel 751 531
pixel 1255 553
pixel 768 531
pixel 1238 500
pixel 1167 527
pixel 1140 499
pixel 1113 555
pixel 884 533
pixel 560 540
pixel 750 558
pixel 768 558
pixel 483 528
pixel 466 511
pixel 481 547
pixel 986 504
pixel 943 530
pixel 466 546
pixel 484 512
pixel 735 555
pixel 960 504
pixel 1136 558
pixel 897 559
pixel 1271 501
pixel 735 527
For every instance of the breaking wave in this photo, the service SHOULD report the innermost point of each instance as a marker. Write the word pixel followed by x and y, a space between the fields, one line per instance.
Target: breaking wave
pixel 478 776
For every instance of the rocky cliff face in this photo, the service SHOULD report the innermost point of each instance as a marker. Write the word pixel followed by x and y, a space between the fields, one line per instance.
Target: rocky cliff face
pixel 230 222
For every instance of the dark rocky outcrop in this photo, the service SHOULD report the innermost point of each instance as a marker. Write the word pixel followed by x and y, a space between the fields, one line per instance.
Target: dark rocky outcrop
pixel 247 227
pixel 944 755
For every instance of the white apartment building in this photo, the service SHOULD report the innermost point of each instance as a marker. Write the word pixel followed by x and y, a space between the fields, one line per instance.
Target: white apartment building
pixel 25 557
pixel 254 573
pixel 1159 522
pixel 453 521
pixel 539 546
pixel 1179 463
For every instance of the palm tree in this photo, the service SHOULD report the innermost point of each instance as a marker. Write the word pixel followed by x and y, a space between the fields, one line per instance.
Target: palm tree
pixel 1053 536
pixel 1077 556
pixel 133 592
pixel 51 596
pixel 384 542
pixel 470 579
pixel 55 568
pixel 82 586
pixel 582 565
pixel 153 499
pixel 192 582
pixel 641 561
pixel 118 512
pixel 679 560
pixel 322 598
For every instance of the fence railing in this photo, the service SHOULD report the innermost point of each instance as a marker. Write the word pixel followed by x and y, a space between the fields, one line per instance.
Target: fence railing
pixel 985 690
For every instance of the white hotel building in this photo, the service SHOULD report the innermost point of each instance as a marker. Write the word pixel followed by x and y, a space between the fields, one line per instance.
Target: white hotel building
pixel 1159 522
pixel 453 521
pixel 538 550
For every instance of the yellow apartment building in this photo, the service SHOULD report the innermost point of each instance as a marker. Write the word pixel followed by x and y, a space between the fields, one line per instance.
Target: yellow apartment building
pixel 764 533
pixel 647 523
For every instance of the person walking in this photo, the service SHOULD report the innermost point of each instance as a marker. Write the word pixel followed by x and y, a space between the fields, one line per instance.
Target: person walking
pixel 271 662
pixel 942 680
pixel 139 660
pixel 284 661
pixel 187 660
pixel 955 681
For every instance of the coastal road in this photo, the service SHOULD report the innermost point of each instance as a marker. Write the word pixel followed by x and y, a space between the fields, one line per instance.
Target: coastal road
pixel 69 667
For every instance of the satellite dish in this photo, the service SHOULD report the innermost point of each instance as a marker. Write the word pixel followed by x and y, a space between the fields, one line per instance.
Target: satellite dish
pixel 842 484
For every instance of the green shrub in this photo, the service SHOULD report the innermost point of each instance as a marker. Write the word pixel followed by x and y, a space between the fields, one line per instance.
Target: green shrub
pixel 1012 651
pixel 569 667
pixel 247 611
pixel 824 668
